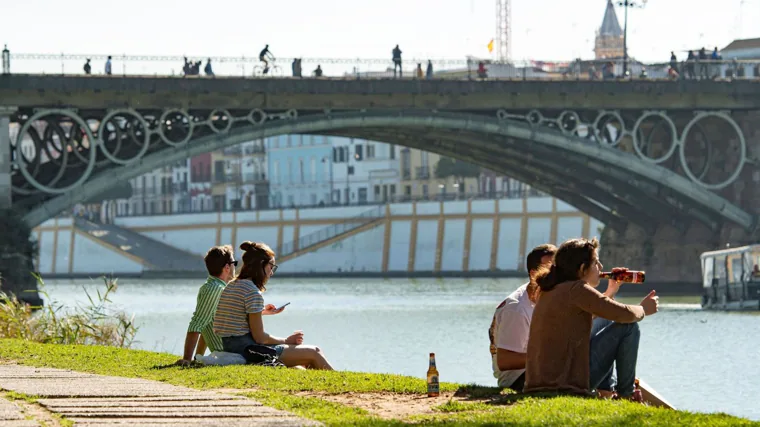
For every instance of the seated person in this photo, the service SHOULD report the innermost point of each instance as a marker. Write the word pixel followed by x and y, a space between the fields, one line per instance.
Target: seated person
pixel 511 324
pixel 239 319
pixel 561 354
pixel 220 263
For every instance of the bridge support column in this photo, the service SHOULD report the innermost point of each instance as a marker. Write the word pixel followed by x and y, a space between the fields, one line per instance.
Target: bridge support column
pixel 5 157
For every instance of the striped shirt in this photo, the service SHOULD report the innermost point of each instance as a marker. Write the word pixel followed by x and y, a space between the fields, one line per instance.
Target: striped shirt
pixel 203 317
pixel 238 299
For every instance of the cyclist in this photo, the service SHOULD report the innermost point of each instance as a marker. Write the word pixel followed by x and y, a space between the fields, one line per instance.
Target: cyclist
pixel 263 56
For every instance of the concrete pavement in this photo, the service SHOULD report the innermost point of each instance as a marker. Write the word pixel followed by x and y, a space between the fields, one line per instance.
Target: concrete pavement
pixel 92 400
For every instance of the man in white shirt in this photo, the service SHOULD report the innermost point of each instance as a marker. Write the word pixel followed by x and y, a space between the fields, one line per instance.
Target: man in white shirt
pixel 511 324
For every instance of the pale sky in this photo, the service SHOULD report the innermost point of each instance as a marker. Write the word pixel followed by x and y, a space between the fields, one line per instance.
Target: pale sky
pixel 541 29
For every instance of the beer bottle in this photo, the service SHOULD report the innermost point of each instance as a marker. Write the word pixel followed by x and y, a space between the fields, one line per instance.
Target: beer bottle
pixel 624 276
pixel 433 387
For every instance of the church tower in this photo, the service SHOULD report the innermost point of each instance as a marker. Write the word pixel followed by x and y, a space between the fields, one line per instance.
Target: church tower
pixel 609 37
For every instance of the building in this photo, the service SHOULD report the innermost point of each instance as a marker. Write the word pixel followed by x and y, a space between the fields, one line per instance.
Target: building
pixel 743 55
pixel 419 181
pixel 300 168
pixel 363 171
pixel 609 41
pixel 238 177
pixel 200 183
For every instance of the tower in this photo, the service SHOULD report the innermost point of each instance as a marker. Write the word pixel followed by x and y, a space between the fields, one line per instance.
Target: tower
pixel 503 30
pixel 609 37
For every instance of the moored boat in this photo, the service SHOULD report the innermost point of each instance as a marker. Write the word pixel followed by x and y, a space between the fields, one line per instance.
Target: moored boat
pixel 731 278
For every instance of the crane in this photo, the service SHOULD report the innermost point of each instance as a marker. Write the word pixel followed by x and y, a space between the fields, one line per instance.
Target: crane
pixel 503 30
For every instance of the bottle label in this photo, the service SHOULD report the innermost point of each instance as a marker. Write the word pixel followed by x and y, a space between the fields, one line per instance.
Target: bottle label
pixel 433 386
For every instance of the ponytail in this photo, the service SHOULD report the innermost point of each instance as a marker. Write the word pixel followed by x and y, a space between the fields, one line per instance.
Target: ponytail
pixel 547 278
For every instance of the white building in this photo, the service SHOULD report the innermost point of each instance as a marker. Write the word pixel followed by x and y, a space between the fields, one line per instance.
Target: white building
pixel 364 171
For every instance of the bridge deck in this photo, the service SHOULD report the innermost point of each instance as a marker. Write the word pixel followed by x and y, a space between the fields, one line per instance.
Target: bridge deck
pixel 145 92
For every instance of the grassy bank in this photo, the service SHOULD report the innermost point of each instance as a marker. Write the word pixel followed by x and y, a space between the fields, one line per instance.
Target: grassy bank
pixel 317 394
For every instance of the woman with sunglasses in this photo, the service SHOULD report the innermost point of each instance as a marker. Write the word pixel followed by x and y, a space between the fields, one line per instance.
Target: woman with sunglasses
pixel 239 319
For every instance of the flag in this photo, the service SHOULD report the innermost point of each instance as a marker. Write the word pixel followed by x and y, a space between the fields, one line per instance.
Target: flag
pixel 490 46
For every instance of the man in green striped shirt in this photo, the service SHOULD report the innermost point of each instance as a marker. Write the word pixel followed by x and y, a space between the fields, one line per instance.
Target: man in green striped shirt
pixel 220 263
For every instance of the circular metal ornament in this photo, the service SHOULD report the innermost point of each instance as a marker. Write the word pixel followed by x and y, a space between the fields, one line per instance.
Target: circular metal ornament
pixel 573 117
pixel 162 126
pixel 90 160
pixel 257 117
pixel 673 132
pixel 146 135
pixel 224 116
pixel 501 114
pixel 615 115
pixel 742 150
pixel 534 117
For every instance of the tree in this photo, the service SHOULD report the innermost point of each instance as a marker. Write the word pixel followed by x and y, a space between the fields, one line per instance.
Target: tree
pixel 458 169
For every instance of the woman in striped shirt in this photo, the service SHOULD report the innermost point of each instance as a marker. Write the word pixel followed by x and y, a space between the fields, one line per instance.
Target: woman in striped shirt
pixel 239 320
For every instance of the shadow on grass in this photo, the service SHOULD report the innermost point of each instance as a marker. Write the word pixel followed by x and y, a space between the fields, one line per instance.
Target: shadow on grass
pixel 174 365
pixel 479 392
pixel 511 398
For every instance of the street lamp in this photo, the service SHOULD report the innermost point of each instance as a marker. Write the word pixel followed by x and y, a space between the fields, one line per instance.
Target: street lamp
pixel 626 4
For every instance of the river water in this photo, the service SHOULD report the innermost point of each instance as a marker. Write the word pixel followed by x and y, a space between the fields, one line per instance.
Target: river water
pixel 699 360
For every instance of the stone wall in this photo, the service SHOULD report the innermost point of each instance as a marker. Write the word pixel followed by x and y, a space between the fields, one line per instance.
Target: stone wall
pixel 16 258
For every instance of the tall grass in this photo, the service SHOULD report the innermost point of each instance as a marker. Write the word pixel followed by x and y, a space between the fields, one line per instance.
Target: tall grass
pixel 94 323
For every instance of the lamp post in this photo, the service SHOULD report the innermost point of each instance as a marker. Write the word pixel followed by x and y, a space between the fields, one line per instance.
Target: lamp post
pixel 626 4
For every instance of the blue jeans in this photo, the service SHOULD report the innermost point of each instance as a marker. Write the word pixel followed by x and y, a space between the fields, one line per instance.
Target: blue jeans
pixel 237 344
pixel 613 344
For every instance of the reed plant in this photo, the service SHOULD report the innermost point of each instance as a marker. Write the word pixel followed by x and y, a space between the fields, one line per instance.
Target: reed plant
pixel 93 323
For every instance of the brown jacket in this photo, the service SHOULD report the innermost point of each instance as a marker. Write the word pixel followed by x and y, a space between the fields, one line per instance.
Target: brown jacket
pixel 558 347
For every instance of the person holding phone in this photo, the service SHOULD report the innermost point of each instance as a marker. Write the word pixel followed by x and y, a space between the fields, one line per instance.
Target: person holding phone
pixel 239 318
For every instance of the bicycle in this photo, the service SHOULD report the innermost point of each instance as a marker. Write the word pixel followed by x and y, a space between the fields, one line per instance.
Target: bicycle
pixel 274 70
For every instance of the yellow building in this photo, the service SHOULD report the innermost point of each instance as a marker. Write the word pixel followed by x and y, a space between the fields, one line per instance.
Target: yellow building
pixel 418 178
pixel 609 37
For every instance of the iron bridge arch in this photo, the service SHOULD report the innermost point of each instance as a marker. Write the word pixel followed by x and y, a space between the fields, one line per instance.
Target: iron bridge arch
pixel 613 186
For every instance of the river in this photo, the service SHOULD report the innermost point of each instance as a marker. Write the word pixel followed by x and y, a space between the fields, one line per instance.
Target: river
pixel 699 360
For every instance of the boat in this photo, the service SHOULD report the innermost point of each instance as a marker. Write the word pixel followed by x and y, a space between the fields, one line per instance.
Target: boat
pixel 652 398
pixel 731 278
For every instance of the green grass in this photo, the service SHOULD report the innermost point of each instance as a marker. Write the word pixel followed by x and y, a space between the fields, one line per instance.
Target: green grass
pixel 12 395
pixel 274 387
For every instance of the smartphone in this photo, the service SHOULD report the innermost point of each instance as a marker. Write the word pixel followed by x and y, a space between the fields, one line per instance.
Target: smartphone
pixel 280 308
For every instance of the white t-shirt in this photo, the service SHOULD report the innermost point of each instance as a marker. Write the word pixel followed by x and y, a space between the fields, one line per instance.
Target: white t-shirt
pixel 509 330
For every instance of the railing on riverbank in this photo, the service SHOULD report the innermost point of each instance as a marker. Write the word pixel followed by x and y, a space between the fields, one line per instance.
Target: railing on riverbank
pixel 520 193
pixel 330 232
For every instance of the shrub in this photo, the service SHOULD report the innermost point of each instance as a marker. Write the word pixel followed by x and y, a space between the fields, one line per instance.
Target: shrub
pixel 95 323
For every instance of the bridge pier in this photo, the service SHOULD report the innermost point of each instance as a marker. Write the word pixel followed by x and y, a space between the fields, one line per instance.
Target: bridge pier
pixel 5 158
pixel 668 255
pixel 16 249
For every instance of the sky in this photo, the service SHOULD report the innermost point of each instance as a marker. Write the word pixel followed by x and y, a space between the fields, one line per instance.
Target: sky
pixel 548 30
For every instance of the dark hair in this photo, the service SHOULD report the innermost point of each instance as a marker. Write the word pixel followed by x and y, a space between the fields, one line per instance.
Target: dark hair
pixel 533 260
pixel 568 260
pixel 217 258
pixel 255 257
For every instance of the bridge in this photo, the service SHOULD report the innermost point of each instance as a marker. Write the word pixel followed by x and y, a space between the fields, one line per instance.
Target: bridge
pixel 671 168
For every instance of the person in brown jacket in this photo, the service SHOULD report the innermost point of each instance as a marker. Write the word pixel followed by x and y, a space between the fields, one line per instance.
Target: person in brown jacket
pixel 561 354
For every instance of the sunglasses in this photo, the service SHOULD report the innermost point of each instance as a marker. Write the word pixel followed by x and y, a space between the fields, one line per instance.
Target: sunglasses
pixel 235 263
pixel 274 267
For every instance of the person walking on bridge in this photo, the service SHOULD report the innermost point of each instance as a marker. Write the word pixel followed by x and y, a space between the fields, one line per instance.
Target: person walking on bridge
pixel 108 66
pixel 397 62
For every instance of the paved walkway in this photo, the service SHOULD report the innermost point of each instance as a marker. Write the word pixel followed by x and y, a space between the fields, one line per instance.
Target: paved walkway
pixel 88 399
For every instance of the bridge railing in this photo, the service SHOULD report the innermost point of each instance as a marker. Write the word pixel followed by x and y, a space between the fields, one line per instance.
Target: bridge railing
pixel 368 68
